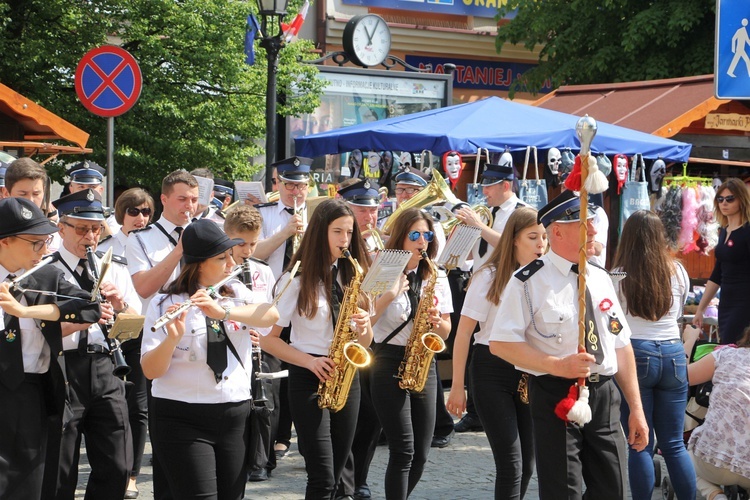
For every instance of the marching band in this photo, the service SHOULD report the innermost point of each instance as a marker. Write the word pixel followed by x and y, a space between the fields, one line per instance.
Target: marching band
pixel 224 291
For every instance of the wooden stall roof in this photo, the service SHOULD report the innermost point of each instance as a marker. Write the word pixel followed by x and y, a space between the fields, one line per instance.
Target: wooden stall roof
pixel 659 107
pixel 41 125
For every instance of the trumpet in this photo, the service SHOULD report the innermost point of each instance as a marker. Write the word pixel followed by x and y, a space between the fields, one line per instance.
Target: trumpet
pixel 377 238
pixel 212 291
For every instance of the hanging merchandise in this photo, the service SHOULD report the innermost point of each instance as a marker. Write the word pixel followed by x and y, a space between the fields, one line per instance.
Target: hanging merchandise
pixel 604 164
pixel 532 191
pixel 689 223
pixel 453 166
pixel 634 194
pixel 552 172
pixel 621 171
pixel 566 163
pixel 656 176
pixel 671 215
pixel 474 194
pixel 708 228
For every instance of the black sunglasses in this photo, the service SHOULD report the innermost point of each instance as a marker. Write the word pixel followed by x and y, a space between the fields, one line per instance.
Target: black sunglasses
pixel 722 199
pixel 133 212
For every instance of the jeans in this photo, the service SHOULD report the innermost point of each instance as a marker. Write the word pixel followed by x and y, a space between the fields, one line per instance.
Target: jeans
pixel 662 377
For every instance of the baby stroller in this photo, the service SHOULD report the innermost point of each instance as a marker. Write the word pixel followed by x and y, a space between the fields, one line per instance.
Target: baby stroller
pixel 695 412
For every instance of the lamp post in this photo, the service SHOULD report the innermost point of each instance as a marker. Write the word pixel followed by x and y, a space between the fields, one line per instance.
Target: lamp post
pixel 271 12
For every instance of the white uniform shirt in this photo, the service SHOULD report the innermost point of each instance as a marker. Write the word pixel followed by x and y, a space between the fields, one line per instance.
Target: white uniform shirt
pixel 262 292
pixel 35 350
pixel 313 336
pixel 665 328
pixel 118 275
pixel 476 305
pixel 148 247
pixel 398 311
pixel 500 218
pixel 117 242
pixel 552 324
pixel 275 218
pixel 189 378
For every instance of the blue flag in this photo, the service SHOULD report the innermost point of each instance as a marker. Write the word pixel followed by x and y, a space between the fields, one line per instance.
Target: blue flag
pixel 252 30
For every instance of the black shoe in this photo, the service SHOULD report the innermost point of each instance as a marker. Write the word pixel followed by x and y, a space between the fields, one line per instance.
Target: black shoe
pixel 258 475
pixel 442 442
pixel 469 423
pixel 281 453
pixel 362 493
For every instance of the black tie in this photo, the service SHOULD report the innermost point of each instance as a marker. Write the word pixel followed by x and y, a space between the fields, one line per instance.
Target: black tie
pixel 337 295
pixel 591 335
pixel 413 293
pixel 83 277
pixel 288 249
pixel 216 351
pixel 11 357
pixel 179 230
pixel 482 242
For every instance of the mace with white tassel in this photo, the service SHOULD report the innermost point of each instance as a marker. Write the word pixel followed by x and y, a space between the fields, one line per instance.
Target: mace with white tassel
pixel 586 178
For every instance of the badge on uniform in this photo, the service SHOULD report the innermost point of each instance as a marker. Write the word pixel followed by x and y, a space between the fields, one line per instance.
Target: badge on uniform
pixel 215 326
pixel 10 336
pixel 615 325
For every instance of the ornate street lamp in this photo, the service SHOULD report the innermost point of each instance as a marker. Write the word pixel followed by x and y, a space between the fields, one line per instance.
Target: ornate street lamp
pixel 271 13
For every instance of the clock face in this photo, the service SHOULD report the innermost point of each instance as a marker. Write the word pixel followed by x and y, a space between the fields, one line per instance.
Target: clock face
pixel 368 39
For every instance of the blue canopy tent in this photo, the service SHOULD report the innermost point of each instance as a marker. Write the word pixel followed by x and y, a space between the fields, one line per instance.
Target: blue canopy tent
pixel 492 123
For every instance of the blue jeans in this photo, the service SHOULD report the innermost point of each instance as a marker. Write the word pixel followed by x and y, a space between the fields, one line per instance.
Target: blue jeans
pixel 662 377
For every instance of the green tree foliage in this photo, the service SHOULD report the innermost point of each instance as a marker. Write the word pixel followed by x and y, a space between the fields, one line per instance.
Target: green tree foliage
pixel 201 105
pixel 597 41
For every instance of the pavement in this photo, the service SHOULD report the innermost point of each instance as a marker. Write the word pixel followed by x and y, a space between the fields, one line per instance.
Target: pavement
pixel 462 470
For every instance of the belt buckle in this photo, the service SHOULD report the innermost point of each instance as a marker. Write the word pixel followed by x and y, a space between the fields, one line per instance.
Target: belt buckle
pixel 593 378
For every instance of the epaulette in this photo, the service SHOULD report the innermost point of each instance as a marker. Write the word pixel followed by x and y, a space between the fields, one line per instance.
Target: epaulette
pixel 520 205
pixel 106 238
pixel 263 205
pixel 115 258
pixel 141 229
pixel 528 271
pixel 259 261
pixel 54 257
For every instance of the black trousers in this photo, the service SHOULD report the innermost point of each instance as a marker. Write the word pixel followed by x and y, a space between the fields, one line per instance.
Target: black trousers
pixel 281 418
pixel 23 439
pixel 567 455
pixel 100 412
pixel 506 421
pixel 458 281
pixel 365 440
pixel 325 436
pixel 137 399
pixel 202 447
pixel 408 419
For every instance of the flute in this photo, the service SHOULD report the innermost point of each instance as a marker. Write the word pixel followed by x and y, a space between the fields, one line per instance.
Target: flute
pixel 46 260
pixel 212 291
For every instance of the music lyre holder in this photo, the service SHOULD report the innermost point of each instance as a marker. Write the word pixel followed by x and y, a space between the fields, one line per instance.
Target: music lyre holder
pixel 127 326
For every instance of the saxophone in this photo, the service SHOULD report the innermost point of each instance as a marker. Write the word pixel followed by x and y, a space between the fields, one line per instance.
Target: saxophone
pixel 423 343
pixel 345 352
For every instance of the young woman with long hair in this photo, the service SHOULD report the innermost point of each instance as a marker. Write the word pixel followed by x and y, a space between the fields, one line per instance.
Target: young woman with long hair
pixel 200 365
pixel 732 269
pixel 504 415
pixel 652 296
pixel 407 417
pixel 309 306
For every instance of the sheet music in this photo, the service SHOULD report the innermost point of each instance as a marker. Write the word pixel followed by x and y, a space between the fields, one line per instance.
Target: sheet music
pixel 205 190
pixel 254 188
pixel 458 246
pixel 388 267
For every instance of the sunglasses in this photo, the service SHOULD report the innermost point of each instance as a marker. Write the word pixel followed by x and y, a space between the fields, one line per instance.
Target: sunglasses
pixel 294 186
pixel 133 212
pixel 722 199
pixel 84 230
pixel 407 190
pixel 428 235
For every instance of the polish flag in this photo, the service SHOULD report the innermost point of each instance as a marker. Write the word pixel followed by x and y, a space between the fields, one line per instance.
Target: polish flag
pixel 291 30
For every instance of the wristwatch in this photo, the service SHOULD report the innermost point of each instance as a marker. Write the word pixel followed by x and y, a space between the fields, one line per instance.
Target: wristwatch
pixel 125 307
pixel 227 312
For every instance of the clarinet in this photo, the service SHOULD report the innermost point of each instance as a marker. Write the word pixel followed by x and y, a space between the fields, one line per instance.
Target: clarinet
pixel 259 387
pixel 121 368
